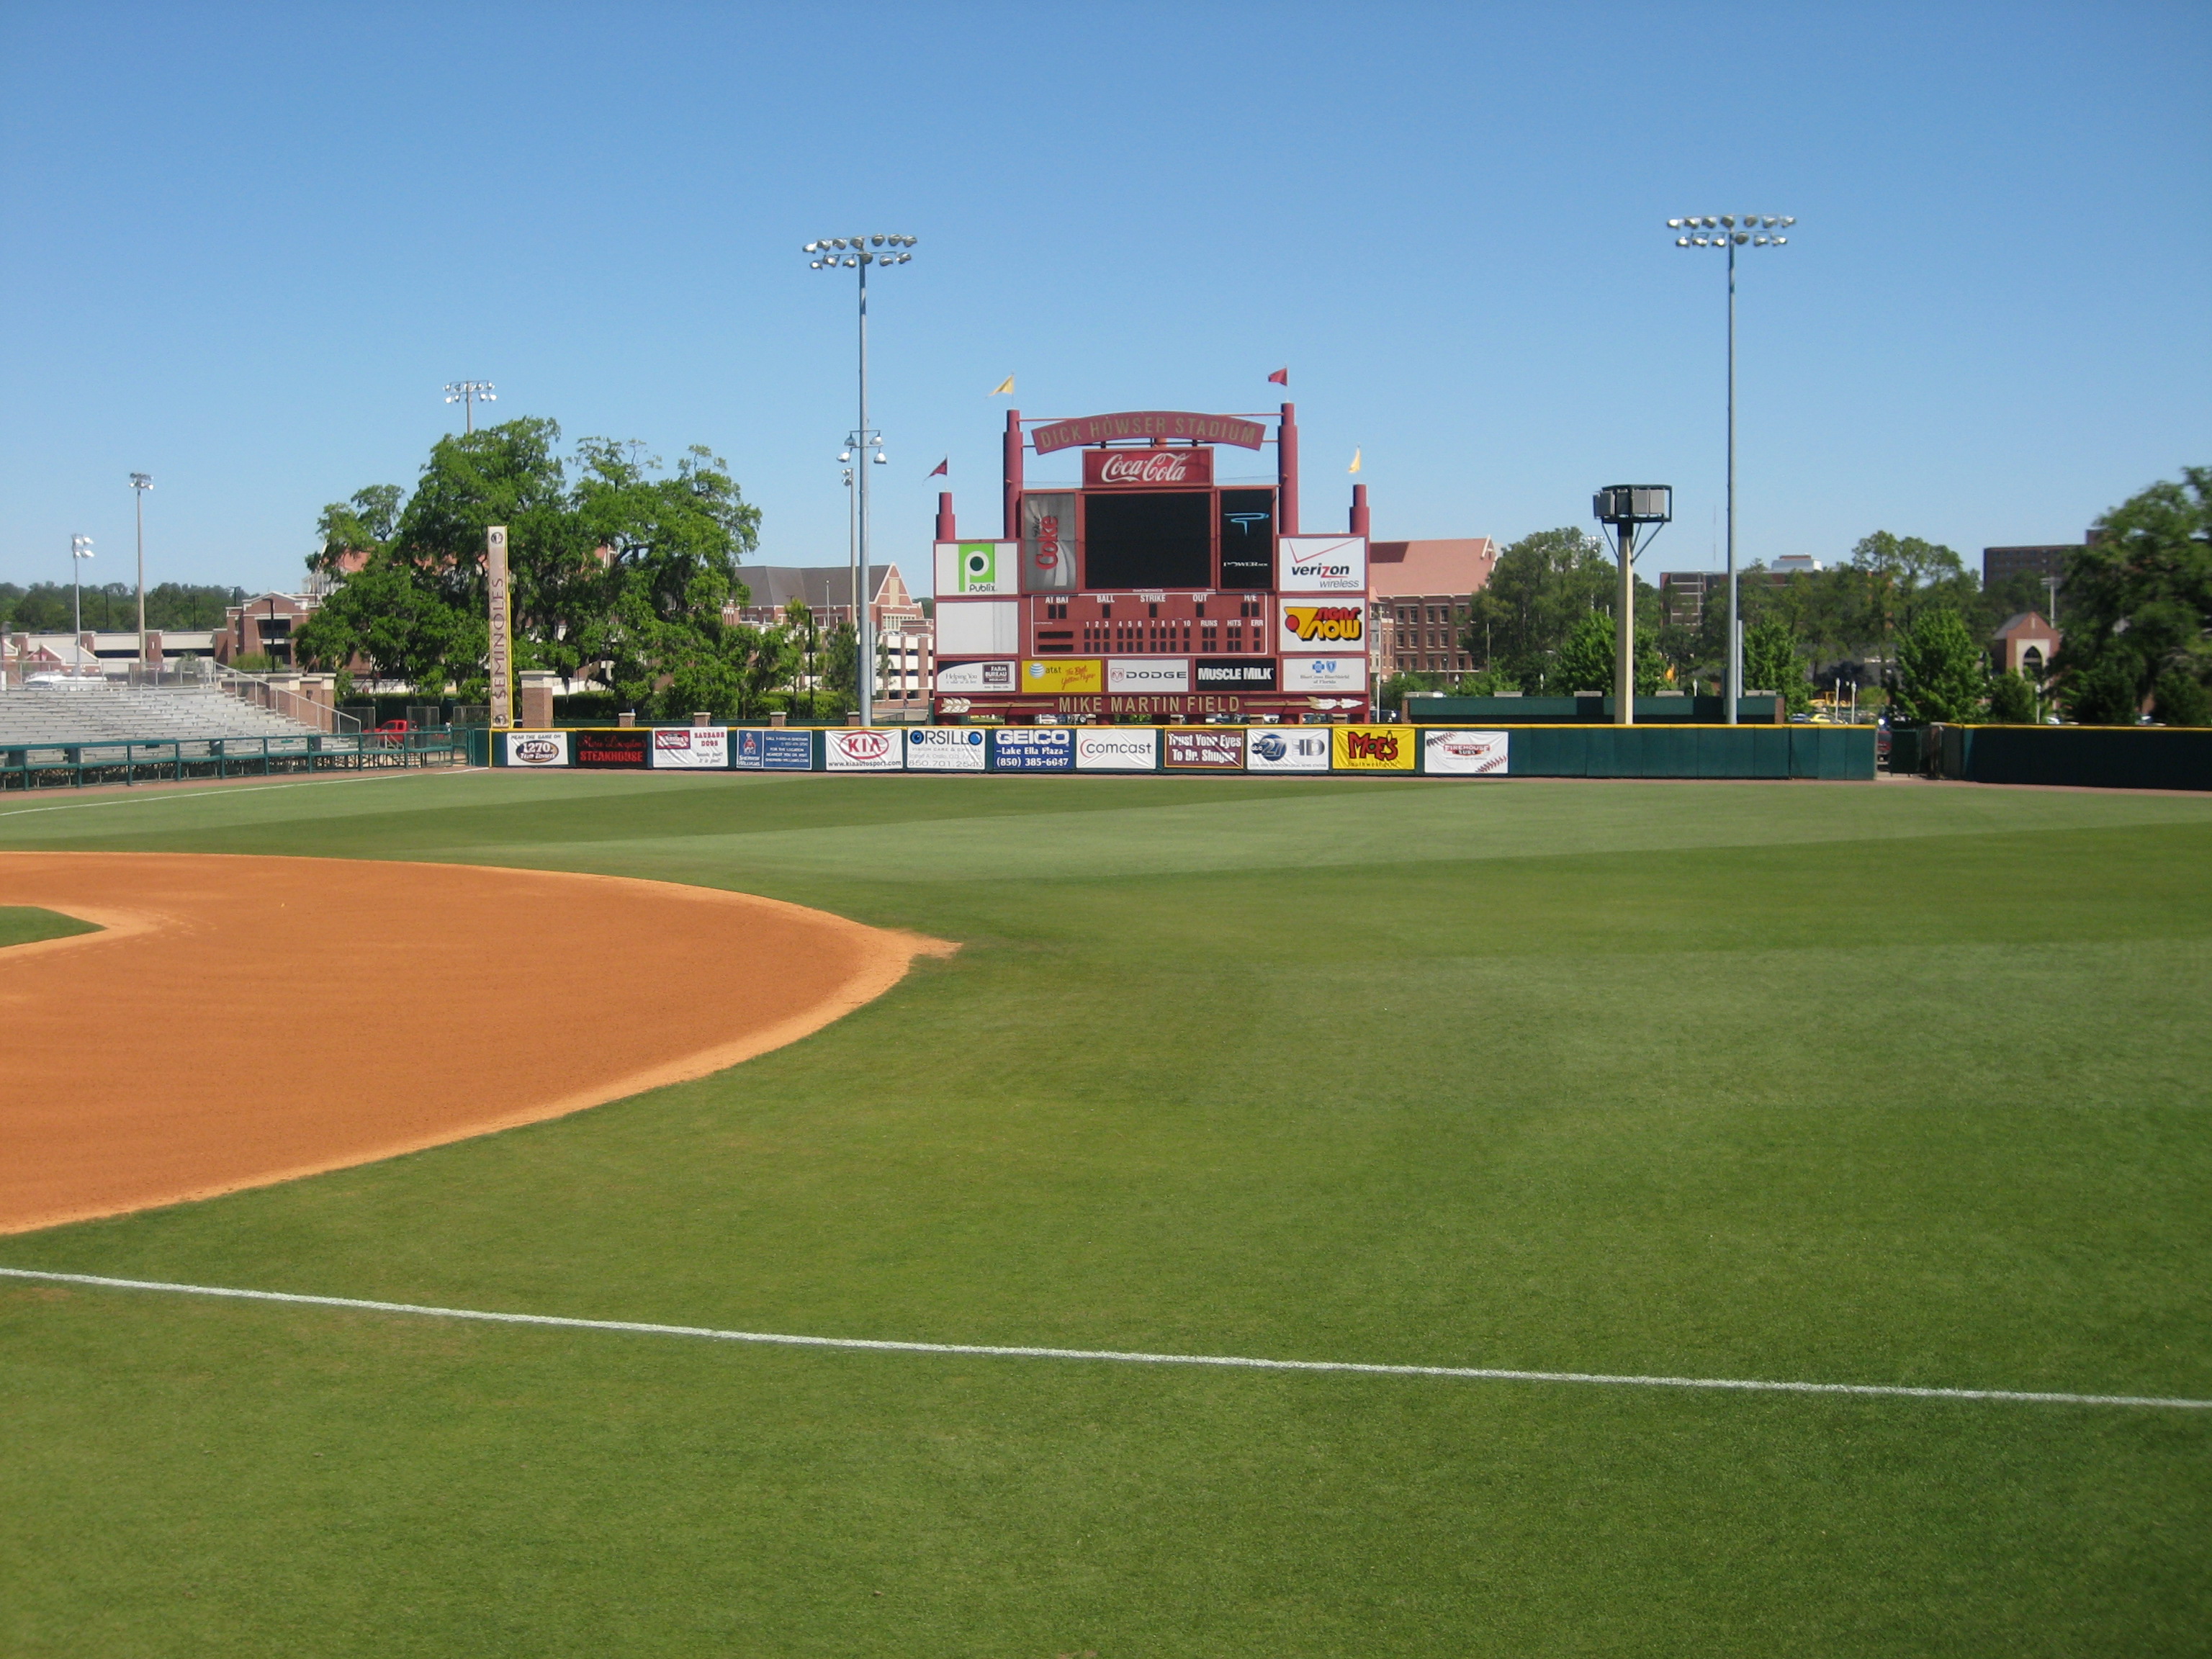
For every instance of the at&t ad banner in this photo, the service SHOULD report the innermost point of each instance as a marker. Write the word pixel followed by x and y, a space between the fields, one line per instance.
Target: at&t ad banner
pixel 692 748
pixel 863 750
pixel 1463 754
pixel 1033 749
pixel 944 749
pixel 535 748
pixel 1372 748
pixel 1071 678
pixel 1286 749
pixel 759 750
pixel 1117 749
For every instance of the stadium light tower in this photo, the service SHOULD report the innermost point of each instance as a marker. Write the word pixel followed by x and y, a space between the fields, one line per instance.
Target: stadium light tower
pixel 1732 231
pixel 857 253
pixel 140 484
pixel 466 394
pixel 1623 507
pixel 80 551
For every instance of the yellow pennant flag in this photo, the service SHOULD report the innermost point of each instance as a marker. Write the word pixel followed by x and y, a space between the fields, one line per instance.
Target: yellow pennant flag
pixel 1005 388
pixel 1354 467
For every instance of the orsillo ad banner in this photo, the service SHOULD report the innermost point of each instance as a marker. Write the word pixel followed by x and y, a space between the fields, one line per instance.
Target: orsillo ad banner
pixel 944 749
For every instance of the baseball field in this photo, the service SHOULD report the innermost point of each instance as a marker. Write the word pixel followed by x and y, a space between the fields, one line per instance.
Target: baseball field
pixel 1628 1085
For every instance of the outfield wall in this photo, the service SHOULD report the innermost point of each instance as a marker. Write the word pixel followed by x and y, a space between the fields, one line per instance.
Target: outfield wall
pixel 2092 756
pixel 1541 751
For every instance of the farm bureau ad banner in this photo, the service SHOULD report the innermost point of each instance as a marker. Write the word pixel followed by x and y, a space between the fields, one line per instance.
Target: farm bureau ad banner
pixel 694 748
pixel 1033 749
pixel 1463 754
pixel 1372 748
pixel 944 749
pixel 1108 749
pixel 536 747
pixel 859 750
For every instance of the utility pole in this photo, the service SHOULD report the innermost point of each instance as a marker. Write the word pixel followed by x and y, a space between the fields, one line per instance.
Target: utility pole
pixel 80 551
pixel 140 484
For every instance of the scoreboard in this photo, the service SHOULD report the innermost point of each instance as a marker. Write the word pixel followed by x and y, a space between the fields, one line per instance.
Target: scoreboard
pixel 1149 590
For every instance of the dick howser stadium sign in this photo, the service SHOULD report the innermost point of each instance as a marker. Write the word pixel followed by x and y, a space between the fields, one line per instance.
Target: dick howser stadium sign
pixel 1151 582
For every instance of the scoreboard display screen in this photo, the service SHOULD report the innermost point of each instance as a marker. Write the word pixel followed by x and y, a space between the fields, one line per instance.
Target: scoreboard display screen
pixel 1148 539
pixel 1247 539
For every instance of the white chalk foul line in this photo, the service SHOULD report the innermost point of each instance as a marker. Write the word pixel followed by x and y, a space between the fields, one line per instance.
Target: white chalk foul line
pixel 1477 1373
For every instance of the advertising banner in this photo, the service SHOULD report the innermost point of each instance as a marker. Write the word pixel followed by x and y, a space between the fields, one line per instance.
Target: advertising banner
pixel 1146 469
pixel 1148 674
pixel 1305 626
pixel 1464 754
pixel 1117 749
pixel 1205 748
pixel 1286 749
pixel 1033 749
pixel 978 627
pixel 1236 674
pixel 944 749
pixel 1069 678
pixel 694 748
pixel 616 748
pixel 975 676
pixel 1321 564
pixel 1372 748
pixel 501 660
pixel 1048 544
pixel 1325 673
pixel 757 749
pixel 859 750
pixel 535 748
pixel 974 568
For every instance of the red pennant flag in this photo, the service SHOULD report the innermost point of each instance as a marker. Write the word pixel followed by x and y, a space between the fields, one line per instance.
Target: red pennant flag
pixel 1280 377
pixel 940 470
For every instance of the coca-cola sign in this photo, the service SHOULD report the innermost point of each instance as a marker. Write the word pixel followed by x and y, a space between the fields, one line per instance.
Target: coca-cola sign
pixel 1147 468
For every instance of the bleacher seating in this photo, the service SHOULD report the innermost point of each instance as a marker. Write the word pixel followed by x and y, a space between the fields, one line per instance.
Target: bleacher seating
pixel 43 715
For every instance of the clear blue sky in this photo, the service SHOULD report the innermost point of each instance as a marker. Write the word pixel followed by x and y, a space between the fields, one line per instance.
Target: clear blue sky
pixel 243 249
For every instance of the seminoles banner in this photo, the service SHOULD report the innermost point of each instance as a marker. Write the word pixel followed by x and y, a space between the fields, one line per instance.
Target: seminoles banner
pixel 1148 424
pixel 1048 544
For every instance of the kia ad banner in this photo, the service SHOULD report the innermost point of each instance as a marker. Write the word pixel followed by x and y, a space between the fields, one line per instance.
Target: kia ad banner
pixel 1033 749
pixel 944 749
pixel 1463 754
pixel 535 748
pixel 1205 748
pixel 1286 749
pixel 1117 749
pixel 861 749
pixel 757 749
pixel 1372 748
pixel 691 748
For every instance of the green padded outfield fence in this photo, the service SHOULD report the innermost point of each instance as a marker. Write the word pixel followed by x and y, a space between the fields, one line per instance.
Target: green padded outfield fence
pixel 2093 757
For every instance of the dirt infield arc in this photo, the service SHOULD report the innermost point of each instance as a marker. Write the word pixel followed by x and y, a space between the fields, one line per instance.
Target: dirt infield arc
pixel 248 1020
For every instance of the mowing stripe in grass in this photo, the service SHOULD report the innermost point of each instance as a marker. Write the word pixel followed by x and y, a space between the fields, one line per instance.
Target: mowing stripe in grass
pixel 991 1351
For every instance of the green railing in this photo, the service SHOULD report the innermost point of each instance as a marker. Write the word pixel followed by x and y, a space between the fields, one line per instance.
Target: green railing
pixel 169 760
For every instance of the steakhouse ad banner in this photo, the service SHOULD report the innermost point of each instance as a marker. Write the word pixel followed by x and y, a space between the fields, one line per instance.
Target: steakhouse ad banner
pixel 1033 749
pixel 944 749
pixel 692 748
pixel 625 747
pixel 757 749
pixel 1463 754
pixel 1206 749
pixel 859 750
pixel 535 748
pixel 1372 748
pixel 1286 749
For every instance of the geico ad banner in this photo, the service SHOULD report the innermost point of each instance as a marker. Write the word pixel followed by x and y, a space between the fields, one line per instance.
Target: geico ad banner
pixel 975 676
pixel 1286 749
pixel 1033 749
pixel 1148 674
pixel 976 568
pixel 1308 627
pixel 1347 673
pixel 1464 754
pixel 1321 564
pixel 536 747
pixel 1058 678
pixel 863 751
pixel 694 748
pixel 1117 749
pixel 944 749
pixel 1372 748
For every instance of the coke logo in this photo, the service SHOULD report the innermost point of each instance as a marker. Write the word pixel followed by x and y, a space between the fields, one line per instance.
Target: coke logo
pixel 1162 467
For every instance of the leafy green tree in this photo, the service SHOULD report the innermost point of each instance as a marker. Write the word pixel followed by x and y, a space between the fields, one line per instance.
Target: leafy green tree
pixel 2180 699
pixel 406 631
pixel 2139 601
pixel 1540 587
pixel 1773 662
pixel 1586 660
pixel 1941 675
pixel 2012 700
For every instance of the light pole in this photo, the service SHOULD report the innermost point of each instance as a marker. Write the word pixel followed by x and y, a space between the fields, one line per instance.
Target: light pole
pixel 852 558
pixel 1623 507
pixel 1732 232
pixel 858 253
pixel 80 550
pixel 466 393
pixel 140 484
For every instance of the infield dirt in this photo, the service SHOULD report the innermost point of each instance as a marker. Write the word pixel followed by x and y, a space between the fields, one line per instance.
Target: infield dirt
pixel 241 1020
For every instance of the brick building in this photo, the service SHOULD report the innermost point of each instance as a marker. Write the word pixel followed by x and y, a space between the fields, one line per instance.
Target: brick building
pixel 904 636
pixel 1419 594
pixel 2003 563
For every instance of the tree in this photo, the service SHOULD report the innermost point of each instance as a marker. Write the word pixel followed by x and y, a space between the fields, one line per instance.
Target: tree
pixel 1587 661
pixel 2180 699
pixel 798 620
pixel 1941 675
pixel 405 631
pixel 1773 662
pixel 2139 601
pixel 2012 700
pixel 1540 587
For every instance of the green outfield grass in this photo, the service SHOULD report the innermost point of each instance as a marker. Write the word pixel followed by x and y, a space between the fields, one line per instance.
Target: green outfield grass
pixel 1891 1084
pixel 24 924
